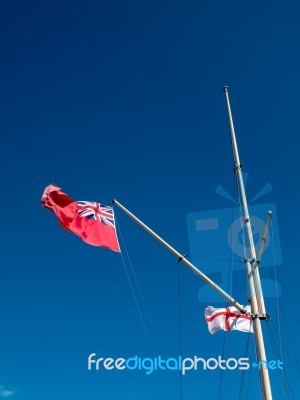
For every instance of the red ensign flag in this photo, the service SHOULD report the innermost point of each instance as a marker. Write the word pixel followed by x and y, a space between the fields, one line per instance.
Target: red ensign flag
pixel 93 222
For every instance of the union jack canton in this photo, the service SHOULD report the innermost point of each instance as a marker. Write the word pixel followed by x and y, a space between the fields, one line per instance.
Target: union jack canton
pixel 96 211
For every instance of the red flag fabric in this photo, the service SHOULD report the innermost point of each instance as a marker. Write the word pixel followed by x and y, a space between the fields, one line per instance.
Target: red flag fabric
pixel 93 222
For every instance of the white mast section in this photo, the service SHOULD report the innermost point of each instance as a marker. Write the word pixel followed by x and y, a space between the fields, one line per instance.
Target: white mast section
pixel 182 258
pixel 256 295
pixel 264 238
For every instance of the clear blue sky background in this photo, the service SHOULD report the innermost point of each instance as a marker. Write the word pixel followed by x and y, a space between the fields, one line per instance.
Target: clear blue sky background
pixel 124 99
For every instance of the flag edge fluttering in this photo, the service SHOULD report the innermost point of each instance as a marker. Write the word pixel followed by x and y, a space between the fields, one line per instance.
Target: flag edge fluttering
pixel 94 232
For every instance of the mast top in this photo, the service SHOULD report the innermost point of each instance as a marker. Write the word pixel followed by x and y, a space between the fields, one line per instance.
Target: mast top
pixel 225 88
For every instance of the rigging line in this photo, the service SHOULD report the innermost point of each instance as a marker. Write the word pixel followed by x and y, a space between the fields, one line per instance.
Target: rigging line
pixel 288 295
pixel 243 373
pixel 291 342
pixel 241 219
pixel 294 359
pixel 277 304
pixel 179 329
pixel 137 305
pixel 273 342
pixel 229 281
pixel 288 386
pixel 296 365
pixel 243 228
pixel 243 232
pixel 230 275
pixel 258 372
pixel 292 284
pixel 249 378
pixel 244 245
pixel 286 291
pixel 291 395
pixel 136 300
pixel 140 291
pixel 223 356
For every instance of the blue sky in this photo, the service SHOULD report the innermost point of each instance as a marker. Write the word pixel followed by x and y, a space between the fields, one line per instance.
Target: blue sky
pixel 124 100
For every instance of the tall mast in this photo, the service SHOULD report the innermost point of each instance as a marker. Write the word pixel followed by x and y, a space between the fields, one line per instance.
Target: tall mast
pixel 256 295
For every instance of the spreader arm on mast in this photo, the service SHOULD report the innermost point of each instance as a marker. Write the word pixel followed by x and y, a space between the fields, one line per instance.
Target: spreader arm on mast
pixel 182 258
pixel 264 238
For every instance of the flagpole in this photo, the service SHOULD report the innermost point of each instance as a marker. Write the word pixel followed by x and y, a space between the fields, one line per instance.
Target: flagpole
pixel 256 294
pixel 181 258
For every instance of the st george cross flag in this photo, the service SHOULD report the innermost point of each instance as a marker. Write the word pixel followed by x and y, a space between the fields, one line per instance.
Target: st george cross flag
pixel 93 222
pixel 228 319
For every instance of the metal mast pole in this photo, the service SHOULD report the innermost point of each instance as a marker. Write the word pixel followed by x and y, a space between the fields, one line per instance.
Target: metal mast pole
pixel 181 258
pixel 256 295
